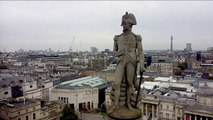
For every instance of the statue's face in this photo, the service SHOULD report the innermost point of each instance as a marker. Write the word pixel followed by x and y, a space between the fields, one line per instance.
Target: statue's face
pixel 126 25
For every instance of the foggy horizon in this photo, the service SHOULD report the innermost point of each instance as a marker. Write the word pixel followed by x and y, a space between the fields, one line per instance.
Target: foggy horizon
pixel 59 25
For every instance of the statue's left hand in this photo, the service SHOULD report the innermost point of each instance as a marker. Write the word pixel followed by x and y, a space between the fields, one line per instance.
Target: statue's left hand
pixel 142 70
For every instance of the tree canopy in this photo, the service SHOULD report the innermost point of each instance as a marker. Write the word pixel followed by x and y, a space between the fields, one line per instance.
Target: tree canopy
pixel 182 65
pixel 68 113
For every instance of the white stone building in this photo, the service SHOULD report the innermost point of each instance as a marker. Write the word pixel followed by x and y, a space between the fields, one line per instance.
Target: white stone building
pixel 80 94
pixel 23 86
pixel 202 109
pixel 161 67
pixel 176 100
pixel 30 109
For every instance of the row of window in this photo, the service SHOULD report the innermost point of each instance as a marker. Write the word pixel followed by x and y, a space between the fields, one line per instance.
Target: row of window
pixel 64 99
pixel 167 107
pixel 167 115
pixel 27 117
pixel 5 85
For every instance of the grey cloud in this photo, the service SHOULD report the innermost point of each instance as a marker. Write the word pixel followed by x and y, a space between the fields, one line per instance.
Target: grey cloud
pixel 46 24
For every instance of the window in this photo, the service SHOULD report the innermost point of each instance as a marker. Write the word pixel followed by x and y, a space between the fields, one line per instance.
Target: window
pixel 173 116
pixel 5 93
pixel 167 115
pixel 34 116
pixel 19 113
pixel 167 107
pixel 27 117
pixel 161 106
pixel 179 112
pixel 19 118
pixel 204 101
pixel 21 81
pixel 31 86
pixel 161 114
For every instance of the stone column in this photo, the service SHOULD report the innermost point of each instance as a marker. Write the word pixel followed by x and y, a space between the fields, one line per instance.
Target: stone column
pixel 142 108
pixel 91 105
pixel 184 117
pixel 195 117
pixel 190 117
pixel 153 113
pixel 201 117
pixel 76 104
pixel 157 112
pixel 146 110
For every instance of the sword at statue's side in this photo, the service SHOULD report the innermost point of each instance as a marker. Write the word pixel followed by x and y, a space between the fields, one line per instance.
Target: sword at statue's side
pixel 139 87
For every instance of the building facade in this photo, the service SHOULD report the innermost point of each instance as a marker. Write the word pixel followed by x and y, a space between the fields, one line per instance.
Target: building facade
pixel 29 109
pixel 81 94
pixel 161 67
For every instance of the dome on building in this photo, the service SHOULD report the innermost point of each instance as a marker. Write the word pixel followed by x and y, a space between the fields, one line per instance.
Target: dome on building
pixel 205 91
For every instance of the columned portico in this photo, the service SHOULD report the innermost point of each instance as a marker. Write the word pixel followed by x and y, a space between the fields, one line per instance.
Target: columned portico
pixel 149 110
pixel 191 116
pixel 153 113
pixel 184 116
pixel 157 111
pixel 142 110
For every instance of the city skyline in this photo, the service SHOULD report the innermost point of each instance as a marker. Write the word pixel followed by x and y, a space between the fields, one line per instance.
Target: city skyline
pixel 80 25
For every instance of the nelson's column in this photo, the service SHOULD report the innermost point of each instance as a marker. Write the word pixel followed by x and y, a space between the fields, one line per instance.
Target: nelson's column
pixel 125 93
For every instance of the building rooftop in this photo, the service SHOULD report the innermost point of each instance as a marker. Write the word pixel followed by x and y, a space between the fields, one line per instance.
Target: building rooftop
pixel 7 80
pixel 205 91
pixel 90 81
pixel 164 79
pixel 17 103
pixel 149 85
pixel 199 107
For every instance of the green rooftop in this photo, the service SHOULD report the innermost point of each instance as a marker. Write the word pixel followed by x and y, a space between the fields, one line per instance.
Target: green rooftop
pixel 90 81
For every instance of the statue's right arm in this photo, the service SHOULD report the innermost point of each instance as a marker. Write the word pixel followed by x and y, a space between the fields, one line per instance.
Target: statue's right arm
pixel 117 53
pixel 115 47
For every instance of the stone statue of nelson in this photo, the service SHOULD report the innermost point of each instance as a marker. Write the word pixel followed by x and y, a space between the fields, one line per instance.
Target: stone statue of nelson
pixel 129 52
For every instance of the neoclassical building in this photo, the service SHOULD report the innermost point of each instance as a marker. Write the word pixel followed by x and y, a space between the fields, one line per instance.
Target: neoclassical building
pixel 162 104
pixel 81 94
pixel 30 109
pixel 203 108
pixel 169 104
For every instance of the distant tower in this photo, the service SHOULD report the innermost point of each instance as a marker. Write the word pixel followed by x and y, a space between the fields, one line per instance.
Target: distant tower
pixel 94 50
pixel 171 43
pixel 172 54
pixel 188 47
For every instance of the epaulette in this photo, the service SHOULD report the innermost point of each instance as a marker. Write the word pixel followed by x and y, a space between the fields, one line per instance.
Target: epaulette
pixel 138 37
pixel 116 37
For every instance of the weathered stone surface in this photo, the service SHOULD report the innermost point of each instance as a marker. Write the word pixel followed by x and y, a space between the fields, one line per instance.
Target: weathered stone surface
pixel 128 52
pixel 123 113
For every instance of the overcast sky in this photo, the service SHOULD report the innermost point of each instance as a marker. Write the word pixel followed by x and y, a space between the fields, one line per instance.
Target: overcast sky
pixel 58 25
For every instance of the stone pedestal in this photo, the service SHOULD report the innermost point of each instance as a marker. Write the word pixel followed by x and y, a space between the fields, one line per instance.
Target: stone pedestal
pixel 123 113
